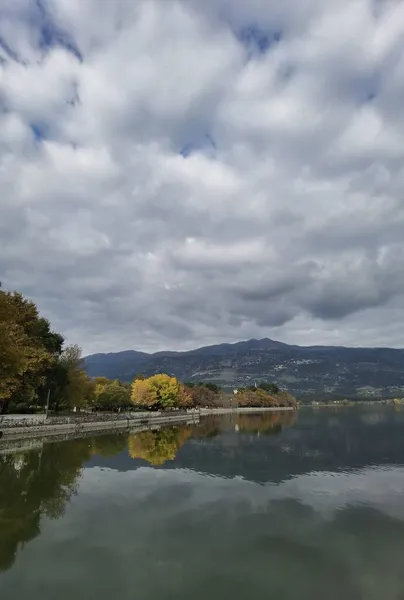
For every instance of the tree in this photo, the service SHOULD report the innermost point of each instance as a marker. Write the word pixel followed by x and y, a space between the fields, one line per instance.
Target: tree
pixel 257 397
pixel 143 395
pixel 202 396
pixel 76 388
pixel 28 350
pixel 167 390
pixel 14 356
pixel 185 398
pixel 271 388
pixel 161 392
pixel 213 387
pixel 33 362
pixel 110 395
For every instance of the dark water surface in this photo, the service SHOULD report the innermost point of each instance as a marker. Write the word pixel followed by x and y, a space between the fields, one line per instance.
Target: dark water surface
pixel 307 505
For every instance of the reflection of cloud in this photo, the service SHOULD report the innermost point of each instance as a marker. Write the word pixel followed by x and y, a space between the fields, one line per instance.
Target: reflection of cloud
pixel 325 492
pixel 285 448
pixel 373 418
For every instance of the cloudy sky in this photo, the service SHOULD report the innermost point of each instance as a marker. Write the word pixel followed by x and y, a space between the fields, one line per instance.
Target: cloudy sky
pixel 175 173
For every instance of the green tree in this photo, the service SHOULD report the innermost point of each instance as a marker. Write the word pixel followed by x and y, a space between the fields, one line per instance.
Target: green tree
pixel 212 387
pixel 111 395
pixel 76 387
pixel 271 388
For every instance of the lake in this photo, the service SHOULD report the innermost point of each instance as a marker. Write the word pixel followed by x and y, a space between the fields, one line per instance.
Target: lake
pixel 273 505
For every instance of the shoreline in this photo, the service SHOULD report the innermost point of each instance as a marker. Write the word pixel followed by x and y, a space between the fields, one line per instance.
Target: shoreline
pixel 76 426
pixel 226 411
pixel 13 445
pixel 17 427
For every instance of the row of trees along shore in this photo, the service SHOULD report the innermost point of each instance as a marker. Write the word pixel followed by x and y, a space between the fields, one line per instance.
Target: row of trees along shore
pixel 36 368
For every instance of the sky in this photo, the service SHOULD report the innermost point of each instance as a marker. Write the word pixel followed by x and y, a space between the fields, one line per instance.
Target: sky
pixel 178 173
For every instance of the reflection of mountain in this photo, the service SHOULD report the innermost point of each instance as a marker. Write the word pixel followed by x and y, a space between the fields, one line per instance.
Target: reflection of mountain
pixel 37 484
pixel 269 423
pixel 331 440
pixel 160 445
pixel 347 439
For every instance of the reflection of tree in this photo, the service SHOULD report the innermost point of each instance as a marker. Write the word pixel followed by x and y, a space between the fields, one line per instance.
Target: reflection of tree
pixel 158 446
pixel 109 445
pixel 266 422
pixel 162 445
pixel 262 422
pixel 36 484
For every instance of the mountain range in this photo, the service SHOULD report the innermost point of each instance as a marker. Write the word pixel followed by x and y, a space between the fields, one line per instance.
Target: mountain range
pixel 304 371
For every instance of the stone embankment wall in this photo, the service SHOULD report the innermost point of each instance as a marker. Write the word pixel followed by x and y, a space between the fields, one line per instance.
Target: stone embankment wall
pixel 17 426
pixel 21 420
pixel 34 425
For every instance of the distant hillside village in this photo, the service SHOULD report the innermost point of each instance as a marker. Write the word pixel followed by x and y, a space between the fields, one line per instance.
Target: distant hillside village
pixel 319 373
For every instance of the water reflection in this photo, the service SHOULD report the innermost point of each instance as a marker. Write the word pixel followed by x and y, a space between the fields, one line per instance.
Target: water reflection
pixel 235 505
pixel 37 484
pixel 271 423
pixel 272 446
pixel 40 483
pixel 159 446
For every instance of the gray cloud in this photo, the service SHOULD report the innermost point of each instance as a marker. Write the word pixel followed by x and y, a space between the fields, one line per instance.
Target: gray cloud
pixel 289 225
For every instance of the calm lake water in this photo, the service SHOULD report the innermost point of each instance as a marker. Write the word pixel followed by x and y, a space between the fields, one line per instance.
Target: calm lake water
pixel 307 505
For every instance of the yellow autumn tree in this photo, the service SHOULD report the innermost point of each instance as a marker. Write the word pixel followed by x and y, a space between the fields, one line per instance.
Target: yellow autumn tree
pixel 28 349
pixel 143 395
pixel 161 392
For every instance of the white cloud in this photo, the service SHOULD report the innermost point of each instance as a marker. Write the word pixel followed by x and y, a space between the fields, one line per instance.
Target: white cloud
pixel 291 186
pixel 325 492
